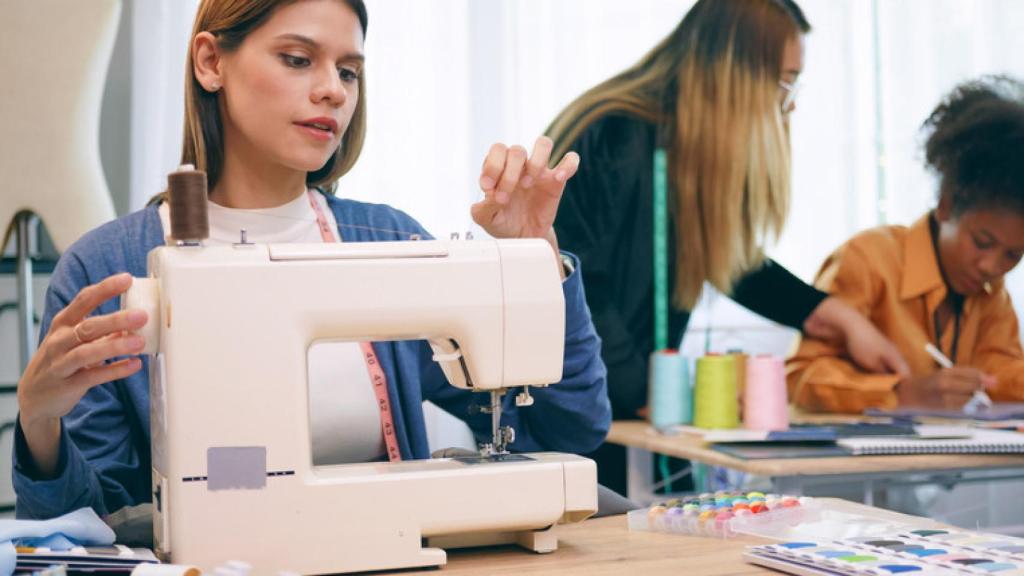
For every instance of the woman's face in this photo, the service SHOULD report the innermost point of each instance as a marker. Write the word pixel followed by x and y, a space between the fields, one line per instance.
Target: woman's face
pixel 792 67
pixel 979 246
pixel 292 85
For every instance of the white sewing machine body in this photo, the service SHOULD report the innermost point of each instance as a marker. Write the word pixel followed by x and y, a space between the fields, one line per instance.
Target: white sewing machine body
pixel 232 465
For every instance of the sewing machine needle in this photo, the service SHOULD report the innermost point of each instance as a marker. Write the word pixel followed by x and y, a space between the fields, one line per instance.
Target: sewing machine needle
pixel 496 419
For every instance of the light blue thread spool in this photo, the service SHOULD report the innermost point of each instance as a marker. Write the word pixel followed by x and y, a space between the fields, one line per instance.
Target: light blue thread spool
pixel 669 389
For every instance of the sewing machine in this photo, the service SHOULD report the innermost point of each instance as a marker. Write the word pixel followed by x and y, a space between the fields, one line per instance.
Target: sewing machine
pixel 233 477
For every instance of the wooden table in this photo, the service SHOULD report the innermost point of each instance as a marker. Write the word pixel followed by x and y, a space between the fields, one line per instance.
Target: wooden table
pixel 791 476
pixel 606 546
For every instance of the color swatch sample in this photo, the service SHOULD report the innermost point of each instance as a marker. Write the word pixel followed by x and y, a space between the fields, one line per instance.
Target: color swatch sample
pixel 929 552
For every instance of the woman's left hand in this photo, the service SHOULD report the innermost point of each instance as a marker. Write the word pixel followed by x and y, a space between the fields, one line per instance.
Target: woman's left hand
pixel 521 193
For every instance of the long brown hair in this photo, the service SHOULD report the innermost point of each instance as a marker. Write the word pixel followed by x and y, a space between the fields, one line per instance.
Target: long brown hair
pixel 231 21
pixel 712 89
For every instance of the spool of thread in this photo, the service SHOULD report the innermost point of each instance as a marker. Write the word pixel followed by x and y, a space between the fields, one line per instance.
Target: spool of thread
pixel 740 358
pixel 186 191
pixel 669 393
pixel 714 394
pixel 765 403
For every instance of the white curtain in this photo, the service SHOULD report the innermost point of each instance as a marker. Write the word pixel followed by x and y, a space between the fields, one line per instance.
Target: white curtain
pixel 448 78
pixel 160 33
pixel 419 95
pixel 833 131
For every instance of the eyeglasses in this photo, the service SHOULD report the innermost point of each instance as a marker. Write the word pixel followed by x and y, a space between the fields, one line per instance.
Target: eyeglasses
pixel 789 93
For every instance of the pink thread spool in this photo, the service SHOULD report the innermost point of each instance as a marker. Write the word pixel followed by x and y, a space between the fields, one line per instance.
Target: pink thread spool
pixel 765 405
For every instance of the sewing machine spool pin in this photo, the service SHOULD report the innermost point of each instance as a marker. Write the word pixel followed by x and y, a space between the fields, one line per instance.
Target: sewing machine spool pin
pixel 243 239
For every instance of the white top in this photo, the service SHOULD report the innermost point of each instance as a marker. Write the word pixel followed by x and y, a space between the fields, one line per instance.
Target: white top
pixel 344 416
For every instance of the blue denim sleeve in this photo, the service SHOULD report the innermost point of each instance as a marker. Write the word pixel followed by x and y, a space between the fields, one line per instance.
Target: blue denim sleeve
pixel 99 464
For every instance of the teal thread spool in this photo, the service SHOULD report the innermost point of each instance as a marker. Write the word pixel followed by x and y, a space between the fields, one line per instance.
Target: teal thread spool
pixel 669 392
pixel 714 393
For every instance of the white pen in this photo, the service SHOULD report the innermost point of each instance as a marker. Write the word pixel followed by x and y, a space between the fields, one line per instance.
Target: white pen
pixel 979 399
pixel 937 355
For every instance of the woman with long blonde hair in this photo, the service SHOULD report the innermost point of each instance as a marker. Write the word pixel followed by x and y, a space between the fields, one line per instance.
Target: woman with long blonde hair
pixel 275 114
pixel 705 113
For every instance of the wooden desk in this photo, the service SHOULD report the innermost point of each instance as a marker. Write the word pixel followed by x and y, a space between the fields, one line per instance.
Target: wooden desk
pixel 606 546
pixel 790 476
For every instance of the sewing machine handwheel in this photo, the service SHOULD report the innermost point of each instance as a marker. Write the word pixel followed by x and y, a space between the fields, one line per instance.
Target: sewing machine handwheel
pixel 144 294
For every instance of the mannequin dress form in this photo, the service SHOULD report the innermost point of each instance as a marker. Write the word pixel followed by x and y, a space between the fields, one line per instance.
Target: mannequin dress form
pixel 53 63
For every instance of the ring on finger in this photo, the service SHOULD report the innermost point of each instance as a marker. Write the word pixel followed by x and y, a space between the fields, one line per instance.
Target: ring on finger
pixel 77 335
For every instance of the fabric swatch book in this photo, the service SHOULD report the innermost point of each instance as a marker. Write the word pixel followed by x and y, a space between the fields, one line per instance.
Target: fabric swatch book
pixel 979 442
pixel 912 552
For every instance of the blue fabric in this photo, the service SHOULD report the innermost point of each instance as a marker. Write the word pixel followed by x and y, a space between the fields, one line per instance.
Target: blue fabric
pixel 79 528
pixel 104 457
pixel 57 542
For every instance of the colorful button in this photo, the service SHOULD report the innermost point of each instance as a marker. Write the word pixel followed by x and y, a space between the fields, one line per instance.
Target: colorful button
pixel 655 511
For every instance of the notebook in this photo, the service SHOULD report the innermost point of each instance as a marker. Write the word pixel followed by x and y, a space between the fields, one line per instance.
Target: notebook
pixel 104 559
pixel 783 451
pixel 795 434
pixel 980 442
pixel 998 411
pixel 802 434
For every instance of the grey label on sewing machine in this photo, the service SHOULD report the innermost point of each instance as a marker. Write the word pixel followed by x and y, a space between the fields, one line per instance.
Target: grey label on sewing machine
pixel 492 459
pixel 236 468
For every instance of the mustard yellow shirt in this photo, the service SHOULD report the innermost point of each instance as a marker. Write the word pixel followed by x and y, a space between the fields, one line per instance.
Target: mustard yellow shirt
pixel 891 275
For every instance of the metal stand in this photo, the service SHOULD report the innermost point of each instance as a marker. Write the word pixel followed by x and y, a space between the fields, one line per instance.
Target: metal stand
pixel 26 329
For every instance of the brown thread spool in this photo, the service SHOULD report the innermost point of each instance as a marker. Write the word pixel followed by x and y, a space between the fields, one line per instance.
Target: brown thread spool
pixel 186 189
pixel 741 377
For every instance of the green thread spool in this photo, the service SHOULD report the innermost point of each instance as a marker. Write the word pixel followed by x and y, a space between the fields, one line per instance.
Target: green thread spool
pixel 714 395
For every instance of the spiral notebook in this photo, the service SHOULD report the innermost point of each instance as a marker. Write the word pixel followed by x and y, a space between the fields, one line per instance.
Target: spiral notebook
pixel 980 442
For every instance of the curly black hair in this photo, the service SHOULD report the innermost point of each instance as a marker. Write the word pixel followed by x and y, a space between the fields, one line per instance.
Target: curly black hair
pixel 976 145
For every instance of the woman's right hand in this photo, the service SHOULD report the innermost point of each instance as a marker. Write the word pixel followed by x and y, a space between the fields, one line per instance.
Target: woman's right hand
pixel 948 388
pixel 71 360
pixel 836 321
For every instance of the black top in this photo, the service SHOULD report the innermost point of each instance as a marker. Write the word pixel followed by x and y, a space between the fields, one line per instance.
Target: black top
pixel 606 218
